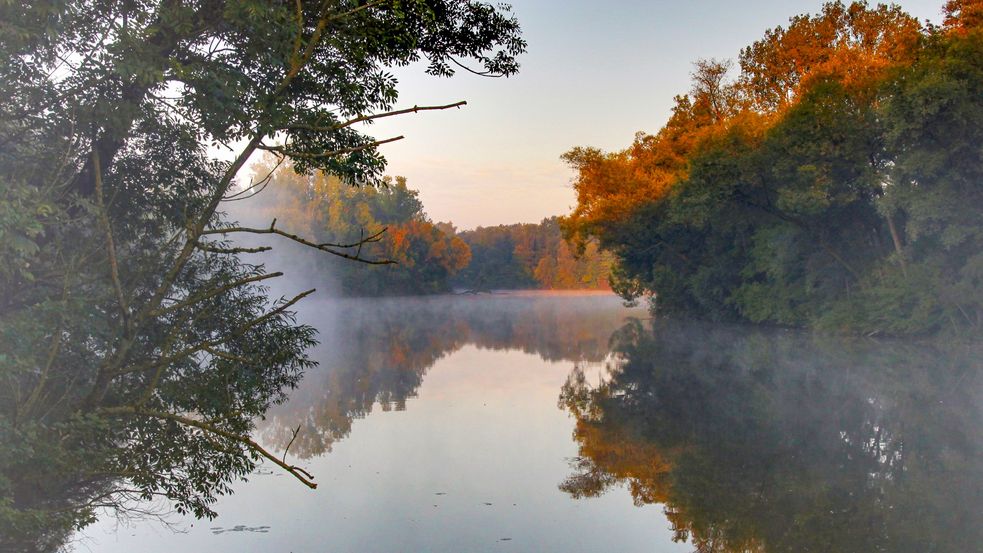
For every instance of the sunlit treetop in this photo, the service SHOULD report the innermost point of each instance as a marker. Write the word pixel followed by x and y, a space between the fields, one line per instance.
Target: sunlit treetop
pixel 853 44
pixel 964 16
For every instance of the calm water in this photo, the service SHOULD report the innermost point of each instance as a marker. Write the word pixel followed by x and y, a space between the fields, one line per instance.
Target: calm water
pixel 570 423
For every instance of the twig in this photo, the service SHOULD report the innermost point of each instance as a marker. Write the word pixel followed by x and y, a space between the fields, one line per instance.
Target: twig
pixel 364 118
pixel 478 73
pixel 299 473
pixel 290 443
pixel 261 183
pixel 325 246
pixel 331 153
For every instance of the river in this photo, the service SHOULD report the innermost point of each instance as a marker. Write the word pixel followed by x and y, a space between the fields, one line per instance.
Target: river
pixel 568 422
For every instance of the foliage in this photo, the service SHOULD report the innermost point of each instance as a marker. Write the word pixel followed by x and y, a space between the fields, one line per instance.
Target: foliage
pixel 531 256
pixel 420 257
pixel 836 182
pixel 136 347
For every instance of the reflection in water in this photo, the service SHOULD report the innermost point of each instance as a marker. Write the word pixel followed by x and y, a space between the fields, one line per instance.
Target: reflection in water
pixel 775 442
pixel 727 439
pixel 379 351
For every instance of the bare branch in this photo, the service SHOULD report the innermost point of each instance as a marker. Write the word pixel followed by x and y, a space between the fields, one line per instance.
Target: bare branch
pixel 260 183
pixel 209 248
pixel 331 153
pixel 364 118
pixel 324 247
pixel 299 473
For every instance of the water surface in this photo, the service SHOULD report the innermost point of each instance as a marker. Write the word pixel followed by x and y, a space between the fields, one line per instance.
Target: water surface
pixel 538 422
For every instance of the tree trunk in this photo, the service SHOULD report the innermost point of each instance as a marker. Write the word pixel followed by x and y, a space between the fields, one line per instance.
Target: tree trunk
pixel 898 246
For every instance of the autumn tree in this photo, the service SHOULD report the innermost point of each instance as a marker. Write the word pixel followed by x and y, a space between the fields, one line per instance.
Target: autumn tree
pixel 531 256
pixel 409 254
pixel 814 196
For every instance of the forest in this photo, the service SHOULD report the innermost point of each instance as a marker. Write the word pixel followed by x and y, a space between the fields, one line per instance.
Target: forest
pixel 832 179
pixel 532 256
pixel 408 253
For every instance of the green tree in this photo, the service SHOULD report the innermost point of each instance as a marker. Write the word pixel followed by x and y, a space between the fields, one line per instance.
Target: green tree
pixel 136 347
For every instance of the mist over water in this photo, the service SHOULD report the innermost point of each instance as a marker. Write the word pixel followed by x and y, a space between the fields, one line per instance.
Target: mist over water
pixel 567 422
pixel 303 268
pixel 378 351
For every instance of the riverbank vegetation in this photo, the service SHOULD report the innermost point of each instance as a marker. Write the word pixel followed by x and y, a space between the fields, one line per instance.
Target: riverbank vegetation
pixel 415 254
pixel 137 344
pixel 832 178
pixel 531 256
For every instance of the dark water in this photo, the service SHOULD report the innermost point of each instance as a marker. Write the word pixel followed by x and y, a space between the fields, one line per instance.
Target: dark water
pixel 570 423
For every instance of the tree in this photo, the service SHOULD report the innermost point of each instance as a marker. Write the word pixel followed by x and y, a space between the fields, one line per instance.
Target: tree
pixel 855 43
pixel 137 346
pixel 834 183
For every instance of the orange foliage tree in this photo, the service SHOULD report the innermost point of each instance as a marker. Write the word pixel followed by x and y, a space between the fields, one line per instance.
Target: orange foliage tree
pixel 810 188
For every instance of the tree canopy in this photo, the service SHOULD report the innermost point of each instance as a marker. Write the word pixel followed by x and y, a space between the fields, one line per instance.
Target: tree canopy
pixel 834 182
pixel 416 255
pixel 138 347
pixel 531 256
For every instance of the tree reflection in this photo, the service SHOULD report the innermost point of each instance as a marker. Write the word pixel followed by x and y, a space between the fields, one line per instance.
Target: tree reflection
pixel 774 442
pixel 381 351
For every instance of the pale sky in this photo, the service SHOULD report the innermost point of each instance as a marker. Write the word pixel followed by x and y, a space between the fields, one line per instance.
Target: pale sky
pixel 595 73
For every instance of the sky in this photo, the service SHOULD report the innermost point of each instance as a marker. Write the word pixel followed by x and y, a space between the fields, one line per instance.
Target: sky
pixel 595 74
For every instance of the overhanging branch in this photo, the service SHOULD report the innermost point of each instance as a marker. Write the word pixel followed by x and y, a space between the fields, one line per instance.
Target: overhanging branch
pixel 214 249
pixel 328 247
pixel 364 118
pixel 282 150
pixel 300 474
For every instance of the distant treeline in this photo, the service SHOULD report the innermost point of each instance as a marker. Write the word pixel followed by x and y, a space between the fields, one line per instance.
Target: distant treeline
pixel 836 182
pixel 409 254
pixel 531 256
pixel 426 257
